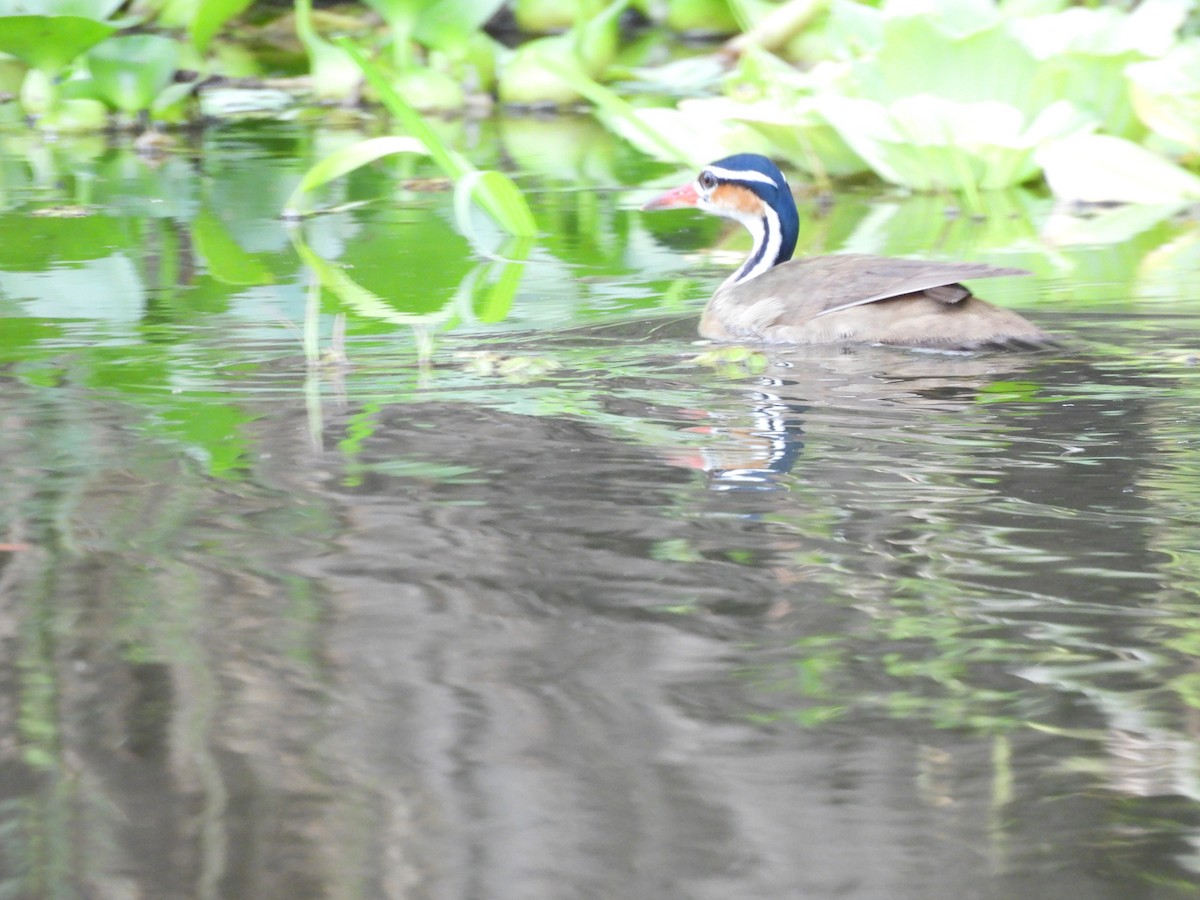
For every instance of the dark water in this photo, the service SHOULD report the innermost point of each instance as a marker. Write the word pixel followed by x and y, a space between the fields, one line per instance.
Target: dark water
pixel 517 592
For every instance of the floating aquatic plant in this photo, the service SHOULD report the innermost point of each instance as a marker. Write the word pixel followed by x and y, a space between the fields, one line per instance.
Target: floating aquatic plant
pixel 48 37
pixel 533 75
pixel 1166 95
pixel 1101 168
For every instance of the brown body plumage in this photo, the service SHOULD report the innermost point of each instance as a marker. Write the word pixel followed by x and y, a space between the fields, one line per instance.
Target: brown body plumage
pixel 871 299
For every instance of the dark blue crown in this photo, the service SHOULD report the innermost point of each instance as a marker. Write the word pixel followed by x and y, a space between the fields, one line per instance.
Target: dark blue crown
pixel 778 196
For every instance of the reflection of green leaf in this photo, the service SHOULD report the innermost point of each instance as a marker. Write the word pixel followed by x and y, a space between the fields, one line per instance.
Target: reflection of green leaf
pixel 1009 391
pixel 227 261
pixel 510 211
pixel 33 243
pixel 343 161
pixel 214 428
pixel 50 43
pixel 385 261
pixel 501 189
pixel 361 300
pixel 493 305
pixel 477 297
pixel 423 470
pixel 19 337
pixel 131 71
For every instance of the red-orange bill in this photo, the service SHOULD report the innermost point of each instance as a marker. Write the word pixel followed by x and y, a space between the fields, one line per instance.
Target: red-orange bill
pixel 675 198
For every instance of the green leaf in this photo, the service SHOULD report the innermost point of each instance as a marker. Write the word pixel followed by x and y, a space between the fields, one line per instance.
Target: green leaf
pixel 595 38
pixel 1099 168
pixel 1148 30
pixel 955 19
pixel 924 55
pixel 130 72
pixel 210 16
pixel 697 136
pixel 75 115
pixel 618 109
pixel 1166 94
pixel 796 130
pixel 343 161
pixel 449 24
pixel 930 143
pixel 87 9
pixel 335 76
pixel 169 105
pixel 50 43
pixel 449 161
pixel 531 75
pixel 430 90
pixel 1084 54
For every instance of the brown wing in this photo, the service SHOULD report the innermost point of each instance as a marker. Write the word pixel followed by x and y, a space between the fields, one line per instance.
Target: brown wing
pixel 823 284
pixel 867 298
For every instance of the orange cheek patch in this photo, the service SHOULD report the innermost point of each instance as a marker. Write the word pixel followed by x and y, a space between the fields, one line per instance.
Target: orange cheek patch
pixel 730 196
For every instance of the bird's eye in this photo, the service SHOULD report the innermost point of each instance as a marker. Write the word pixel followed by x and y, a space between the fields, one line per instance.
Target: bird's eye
pixel 708 180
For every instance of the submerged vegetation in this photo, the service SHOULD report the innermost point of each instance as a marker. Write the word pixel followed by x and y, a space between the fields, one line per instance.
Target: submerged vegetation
pixel 1100 100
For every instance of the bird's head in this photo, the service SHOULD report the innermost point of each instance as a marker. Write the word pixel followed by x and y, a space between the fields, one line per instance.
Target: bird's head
pixel 750 188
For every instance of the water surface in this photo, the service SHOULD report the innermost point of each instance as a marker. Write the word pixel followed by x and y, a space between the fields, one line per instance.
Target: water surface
pixel 516 591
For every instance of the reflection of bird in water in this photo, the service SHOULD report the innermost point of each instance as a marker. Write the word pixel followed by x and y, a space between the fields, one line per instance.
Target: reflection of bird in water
pixel 758 436
pixel 847 298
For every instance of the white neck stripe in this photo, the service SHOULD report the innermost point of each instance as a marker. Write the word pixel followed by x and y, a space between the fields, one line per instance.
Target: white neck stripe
pixel 768 237
pixel 741 175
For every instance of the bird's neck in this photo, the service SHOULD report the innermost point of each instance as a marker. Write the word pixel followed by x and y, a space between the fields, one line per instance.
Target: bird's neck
pixel 774 241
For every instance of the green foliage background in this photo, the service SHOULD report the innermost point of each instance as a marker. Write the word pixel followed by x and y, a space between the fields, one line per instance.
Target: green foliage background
pixel 1100 100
